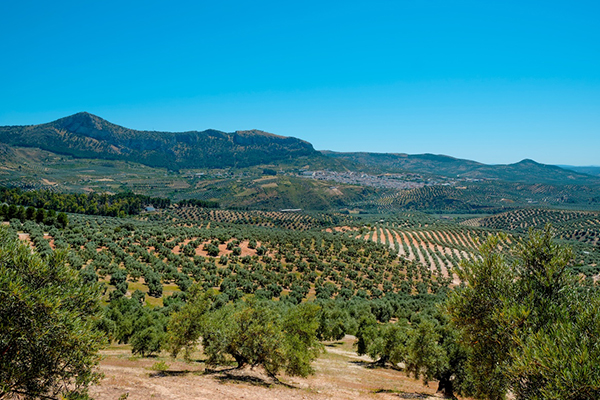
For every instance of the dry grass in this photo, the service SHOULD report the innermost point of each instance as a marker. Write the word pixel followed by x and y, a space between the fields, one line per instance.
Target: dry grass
pixel 339 374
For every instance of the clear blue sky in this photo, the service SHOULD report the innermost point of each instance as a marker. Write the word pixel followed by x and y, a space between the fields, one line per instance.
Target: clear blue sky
pixel 493 81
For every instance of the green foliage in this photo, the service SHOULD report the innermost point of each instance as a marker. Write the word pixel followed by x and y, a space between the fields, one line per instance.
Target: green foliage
pixel 127 321
pixel 386 343
pixel 300 345
pixel 333 320
pixel 185 326
pixel 426 355
pixel 48 338
pixel 93 203
pixel 248 332
pixel 32 214
pixel 199 203
pixel 147 341
pixel 209 148
pixel 251 332
pixel 561 360
pixel 160 366
pixel 529 324
pixel 474 309
pixel 428 347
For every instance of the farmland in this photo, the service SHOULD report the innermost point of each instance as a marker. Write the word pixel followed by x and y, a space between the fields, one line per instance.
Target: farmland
pixel 235 259
pixel 483 197
pixel 582 226
pixel 441 245
pixel 361 270
pixel 288 220
pixel 294 254
pixel 373 261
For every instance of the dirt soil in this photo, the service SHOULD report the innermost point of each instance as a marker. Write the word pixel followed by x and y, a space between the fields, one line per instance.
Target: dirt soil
pixel 339 374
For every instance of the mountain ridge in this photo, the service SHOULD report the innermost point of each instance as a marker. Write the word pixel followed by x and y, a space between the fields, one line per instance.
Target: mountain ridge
pixel 526 170
pixel 86 135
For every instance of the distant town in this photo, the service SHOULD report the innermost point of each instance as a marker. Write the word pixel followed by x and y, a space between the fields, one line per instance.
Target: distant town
pixel 388 181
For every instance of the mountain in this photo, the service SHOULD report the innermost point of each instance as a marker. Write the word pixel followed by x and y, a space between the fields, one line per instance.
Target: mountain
pixel 590 170
pixel 84 135
pixel 88 136
pixel 525 171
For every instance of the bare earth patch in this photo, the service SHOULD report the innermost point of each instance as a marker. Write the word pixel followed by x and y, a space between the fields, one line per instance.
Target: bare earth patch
pixel 49 183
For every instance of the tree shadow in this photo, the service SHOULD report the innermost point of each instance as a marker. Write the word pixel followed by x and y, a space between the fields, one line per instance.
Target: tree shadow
pixel 372 364
pixel 162 374
pixel 210 371
pixel 405 395
pixel 244 375
pixel 375 365
pixel 228 377
pixel 364 364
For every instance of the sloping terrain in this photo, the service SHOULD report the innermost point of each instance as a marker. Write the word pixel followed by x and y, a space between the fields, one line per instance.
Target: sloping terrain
pixel 340 374
pixel 525 171
pixel 83 153
pixel 87 136
pixel 590 170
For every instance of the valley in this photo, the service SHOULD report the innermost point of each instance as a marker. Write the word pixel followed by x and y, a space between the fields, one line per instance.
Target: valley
pixel 351 256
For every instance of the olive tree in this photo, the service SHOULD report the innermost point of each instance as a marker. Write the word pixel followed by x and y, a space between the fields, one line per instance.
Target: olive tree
pixel 532 326
pixel 252 332
pixel 48 338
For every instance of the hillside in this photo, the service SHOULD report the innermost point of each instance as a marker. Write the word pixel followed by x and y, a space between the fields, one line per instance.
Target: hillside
pixel 590 170
pixel 256 170
pixel 85 135
pixel 525 171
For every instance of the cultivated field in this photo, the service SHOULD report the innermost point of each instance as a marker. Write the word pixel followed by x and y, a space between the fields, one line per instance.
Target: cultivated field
pixel 582 226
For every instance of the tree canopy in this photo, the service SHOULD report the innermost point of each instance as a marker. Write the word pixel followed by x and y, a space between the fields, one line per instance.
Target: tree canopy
pixel 531 326
pixel 48 338
pixel 252 332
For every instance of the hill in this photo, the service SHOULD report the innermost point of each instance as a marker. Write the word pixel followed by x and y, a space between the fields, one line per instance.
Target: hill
pixel 85 135
pixel 84 153
pixel 525 171
pixel 590 170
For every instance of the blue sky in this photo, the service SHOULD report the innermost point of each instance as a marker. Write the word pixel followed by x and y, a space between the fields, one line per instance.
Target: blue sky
pixel 492 81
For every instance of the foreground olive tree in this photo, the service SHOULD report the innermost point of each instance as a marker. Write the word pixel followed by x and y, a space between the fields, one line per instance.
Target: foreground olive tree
pixel 531 326
pixel 48 341
pixel 251 332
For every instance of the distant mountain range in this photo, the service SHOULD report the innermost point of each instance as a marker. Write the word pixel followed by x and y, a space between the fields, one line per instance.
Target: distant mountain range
pixel 84 135
pixel 87 136
pixel 590 170
pixel 525 171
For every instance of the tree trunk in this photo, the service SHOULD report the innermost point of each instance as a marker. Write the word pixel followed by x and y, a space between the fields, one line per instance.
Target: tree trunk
pixel 241 361
pixel 445 387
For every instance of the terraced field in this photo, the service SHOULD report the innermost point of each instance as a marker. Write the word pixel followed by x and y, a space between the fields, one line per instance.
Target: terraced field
pixel 581 226
pixel 442 245
pixel 438 248
pixel 483 196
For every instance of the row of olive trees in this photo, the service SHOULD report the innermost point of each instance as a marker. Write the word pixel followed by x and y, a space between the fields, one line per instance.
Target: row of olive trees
pixel 528 327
